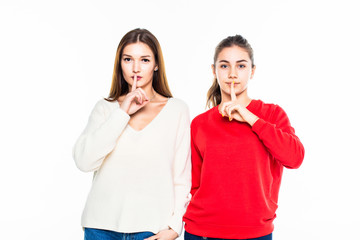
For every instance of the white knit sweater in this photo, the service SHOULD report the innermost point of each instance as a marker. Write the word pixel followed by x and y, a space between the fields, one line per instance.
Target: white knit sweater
pixel 142 179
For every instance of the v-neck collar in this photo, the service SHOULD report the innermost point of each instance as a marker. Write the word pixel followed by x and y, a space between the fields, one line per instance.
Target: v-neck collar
pixel 153 120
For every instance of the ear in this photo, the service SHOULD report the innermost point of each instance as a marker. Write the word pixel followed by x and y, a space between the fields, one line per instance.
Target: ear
pixel 252 72
pixel 213 70
pixel 156 68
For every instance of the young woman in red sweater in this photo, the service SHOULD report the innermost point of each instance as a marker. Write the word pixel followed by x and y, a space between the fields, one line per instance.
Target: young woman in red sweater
pixel 239 148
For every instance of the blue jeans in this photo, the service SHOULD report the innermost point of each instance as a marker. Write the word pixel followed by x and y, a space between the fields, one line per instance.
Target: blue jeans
pixel 99 234
pixel 189 236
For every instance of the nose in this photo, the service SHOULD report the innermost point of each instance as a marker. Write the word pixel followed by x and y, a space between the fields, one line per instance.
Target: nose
pixel 232 73
pixel 136 67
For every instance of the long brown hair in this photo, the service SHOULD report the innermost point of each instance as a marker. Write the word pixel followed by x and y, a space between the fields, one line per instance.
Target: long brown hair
pixel 214 93
pixel 119 86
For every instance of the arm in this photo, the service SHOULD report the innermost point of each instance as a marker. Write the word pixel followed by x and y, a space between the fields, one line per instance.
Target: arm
pixel 99 137
pixel 196 162
pixel 280 139
pixel 181 172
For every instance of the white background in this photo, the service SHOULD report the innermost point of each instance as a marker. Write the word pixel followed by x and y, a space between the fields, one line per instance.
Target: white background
pixel 56 61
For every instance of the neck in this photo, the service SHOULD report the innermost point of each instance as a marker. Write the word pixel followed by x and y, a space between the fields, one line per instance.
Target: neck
pixel 150 92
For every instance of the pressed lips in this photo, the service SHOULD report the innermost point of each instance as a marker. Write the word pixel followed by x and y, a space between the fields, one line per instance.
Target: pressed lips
pixel 137 78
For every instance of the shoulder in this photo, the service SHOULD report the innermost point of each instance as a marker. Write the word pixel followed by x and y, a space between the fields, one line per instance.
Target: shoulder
pixel 178 105
pixel 105 106
pixel 269 111
pixel 203 117
pixel 263 105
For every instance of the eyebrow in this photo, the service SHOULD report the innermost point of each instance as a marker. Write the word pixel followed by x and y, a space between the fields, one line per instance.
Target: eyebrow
pixel 238 61
pixel 127 55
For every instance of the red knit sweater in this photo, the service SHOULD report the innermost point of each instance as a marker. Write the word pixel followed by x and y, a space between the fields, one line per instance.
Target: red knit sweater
pixel 236 172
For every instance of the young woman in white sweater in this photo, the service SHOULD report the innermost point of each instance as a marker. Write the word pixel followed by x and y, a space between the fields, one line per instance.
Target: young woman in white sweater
pixel 137 143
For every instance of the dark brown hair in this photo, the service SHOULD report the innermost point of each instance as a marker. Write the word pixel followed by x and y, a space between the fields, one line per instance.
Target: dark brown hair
pixel 119 86
pixel 214 93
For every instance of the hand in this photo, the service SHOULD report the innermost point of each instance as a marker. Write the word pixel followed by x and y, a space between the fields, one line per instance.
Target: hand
pixel 167 234
pixel 134 100
pixel 234 110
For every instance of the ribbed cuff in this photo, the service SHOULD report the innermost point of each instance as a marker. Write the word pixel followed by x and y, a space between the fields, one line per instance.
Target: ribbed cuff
pixel 258 125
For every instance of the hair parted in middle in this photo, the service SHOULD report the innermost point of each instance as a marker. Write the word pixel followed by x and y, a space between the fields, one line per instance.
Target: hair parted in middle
pixel 214 93
pixel 119 86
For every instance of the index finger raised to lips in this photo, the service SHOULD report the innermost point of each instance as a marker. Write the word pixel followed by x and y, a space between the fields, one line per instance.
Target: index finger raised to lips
pixel 134 84
pixel 232 91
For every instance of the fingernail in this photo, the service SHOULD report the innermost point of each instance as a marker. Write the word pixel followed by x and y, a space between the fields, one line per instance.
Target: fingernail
pixel 230 119
pixel 222 115
pixel 234 81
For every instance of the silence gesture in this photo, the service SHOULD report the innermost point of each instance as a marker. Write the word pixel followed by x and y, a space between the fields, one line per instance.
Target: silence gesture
pixel 234 110
pixel 134 100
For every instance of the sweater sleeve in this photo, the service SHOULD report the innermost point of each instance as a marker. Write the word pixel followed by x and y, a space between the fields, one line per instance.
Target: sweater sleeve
pixel 280 139
pixel 99 137
pixel 181 172
pixel 196 162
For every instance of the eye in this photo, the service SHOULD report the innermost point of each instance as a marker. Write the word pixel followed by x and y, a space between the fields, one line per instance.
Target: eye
pixel 242 66
pixel 146 60
pixel 127 59
pixel 223 66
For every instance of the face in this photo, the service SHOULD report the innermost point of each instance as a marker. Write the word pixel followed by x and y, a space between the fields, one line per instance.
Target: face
pixel 138 59
pixel 233 64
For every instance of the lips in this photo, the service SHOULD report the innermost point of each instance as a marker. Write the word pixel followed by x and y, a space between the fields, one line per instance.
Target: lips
pixel 137 78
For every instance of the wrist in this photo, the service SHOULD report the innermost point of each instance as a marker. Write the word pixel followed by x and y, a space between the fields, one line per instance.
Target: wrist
pixel 174 232
pixel 253 121
pixel 250 118
pixel 123 107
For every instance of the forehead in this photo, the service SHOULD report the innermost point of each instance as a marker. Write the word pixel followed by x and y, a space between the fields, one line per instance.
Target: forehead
pixel 138 49
pixel 233 53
